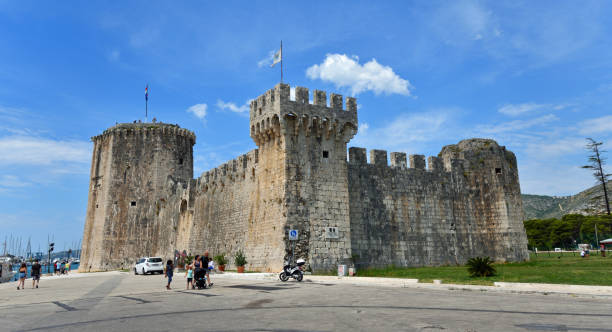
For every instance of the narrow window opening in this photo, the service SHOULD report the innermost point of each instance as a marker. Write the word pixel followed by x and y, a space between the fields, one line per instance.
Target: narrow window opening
pixel 260 111
pixel 498 171
pixel 325 154
pixel 133 203
pixel 180 161
pixel 96 206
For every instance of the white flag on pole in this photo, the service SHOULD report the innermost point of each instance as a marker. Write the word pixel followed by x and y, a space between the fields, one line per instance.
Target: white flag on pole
pixel 277 57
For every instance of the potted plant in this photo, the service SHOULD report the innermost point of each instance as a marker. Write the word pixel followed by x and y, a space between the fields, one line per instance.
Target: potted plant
pixel 221 261
pixel 240 261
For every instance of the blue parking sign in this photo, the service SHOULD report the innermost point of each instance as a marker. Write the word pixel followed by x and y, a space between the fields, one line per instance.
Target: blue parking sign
pixel 293 234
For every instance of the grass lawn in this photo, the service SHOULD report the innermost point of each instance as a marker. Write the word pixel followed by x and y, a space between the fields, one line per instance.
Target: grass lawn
pixel 569 269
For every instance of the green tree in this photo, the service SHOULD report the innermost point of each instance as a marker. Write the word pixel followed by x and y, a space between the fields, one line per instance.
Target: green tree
pixel 561 235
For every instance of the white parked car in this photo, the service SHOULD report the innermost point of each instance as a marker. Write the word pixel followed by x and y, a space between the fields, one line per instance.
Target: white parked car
pixel 149 265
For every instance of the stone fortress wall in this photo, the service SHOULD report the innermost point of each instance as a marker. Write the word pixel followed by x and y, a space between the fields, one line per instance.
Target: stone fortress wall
pixel 466 204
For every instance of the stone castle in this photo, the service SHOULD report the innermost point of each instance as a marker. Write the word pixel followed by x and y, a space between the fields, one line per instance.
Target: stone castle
pixel 144 201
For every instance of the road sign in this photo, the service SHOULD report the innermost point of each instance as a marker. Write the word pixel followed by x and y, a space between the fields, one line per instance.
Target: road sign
pixel 293 234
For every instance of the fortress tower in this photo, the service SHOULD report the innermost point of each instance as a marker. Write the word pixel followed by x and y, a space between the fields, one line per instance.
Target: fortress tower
pixel 131 165
pixel 304 145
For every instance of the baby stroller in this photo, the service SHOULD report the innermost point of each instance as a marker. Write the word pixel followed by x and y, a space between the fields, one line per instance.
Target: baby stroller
pixel 200 278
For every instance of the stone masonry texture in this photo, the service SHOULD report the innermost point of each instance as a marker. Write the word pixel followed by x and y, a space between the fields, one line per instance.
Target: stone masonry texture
pixel 144 201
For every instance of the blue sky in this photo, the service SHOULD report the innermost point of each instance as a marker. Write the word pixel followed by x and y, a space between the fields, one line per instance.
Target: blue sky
pixel 535 76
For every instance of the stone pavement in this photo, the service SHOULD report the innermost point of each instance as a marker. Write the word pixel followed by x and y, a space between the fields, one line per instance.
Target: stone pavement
pixel 506 287
pixel 256 302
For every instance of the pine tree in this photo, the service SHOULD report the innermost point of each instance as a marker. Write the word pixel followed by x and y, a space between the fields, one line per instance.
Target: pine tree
pixel 596 164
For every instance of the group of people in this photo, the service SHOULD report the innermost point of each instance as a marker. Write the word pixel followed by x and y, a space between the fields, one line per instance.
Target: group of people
pixel 23 272
pixel 60 268
pixel 191 269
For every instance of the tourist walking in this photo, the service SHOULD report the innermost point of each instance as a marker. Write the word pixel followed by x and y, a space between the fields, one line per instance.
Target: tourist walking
pixel 67 267
pixel 189 275
pixel 23 271
pixel 62 268
pixel 35 274
pixel 169 272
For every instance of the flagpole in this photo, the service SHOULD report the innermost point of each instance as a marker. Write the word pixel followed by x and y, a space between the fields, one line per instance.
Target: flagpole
pixel 147 103
pixel 281 49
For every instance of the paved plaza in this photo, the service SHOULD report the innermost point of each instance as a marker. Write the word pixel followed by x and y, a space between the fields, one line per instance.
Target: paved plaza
pixel 117 301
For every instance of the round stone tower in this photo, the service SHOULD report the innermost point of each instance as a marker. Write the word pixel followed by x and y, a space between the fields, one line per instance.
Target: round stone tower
pixel 131 165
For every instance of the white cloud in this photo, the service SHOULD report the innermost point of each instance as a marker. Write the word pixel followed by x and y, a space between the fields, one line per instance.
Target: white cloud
pixel 464 22
pixel 518 109
pixel 230 106
pixel 346 72
pixel 515 125
pixel 23 150
pixel 596 126
pixel 12 181
pixel 199 110
pixel 406 132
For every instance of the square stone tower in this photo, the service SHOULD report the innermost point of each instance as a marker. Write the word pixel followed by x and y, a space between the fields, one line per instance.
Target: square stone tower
pixel 304 145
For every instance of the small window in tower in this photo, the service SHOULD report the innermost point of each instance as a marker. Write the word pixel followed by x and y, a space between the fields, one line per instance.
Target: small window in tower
pixel 325 154
pixel 260 111
pixel 180 161
pixel 498 171
pixel 133 203
pixel 96 206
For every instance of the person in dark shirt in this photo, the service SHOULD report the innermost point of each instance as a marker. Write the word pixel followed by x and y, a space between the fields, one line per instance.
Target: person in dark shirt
pixel 169 272
pixel 35 274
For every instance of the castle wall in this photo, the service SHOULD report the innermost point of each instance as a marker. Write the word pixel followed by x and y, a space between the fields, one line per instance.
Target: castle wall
pixel 143 200
pixel 455 210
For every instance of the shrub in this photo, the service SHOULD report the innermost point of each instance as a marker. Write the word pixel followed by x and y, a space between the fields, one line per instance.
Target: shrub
pixel 240 259
pixel 220 259
pixel 480 267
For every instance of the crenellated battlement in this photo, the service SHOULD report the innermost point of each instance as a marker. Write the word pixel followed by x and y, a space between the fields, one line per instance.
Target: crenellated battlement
pixel 358 156
pixel 274 114
pixel 234 170
pixel 145 128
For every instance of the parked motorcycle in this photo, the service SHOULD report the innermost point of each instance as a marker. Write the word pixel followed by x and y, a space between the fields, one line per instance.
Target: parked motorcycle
pixel 293 271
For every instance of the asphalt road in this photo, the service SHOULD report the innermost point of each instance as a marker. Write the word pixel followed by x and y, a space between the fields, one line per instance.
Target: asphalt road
pixel 124 302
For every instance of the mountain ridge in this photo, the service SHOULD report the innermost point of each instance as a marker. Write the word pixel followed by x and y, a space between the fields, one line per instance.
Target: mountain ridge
pixel 589 201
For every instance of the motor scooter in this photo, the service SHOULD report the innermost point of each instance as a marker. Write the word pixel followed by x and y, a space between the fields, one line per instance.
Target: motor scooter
pixel 293 271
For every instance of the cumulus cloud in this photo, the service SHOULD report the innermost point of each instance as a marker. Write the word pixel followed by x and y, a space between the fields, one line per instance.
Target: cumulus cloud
pixel 199 110
pixel 232 107
pixel 22 150
pixel 347 72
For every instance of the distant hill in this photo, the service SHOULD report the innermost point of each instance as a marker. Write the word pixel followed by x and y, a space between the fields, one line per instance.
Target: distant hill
pixel 585 202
